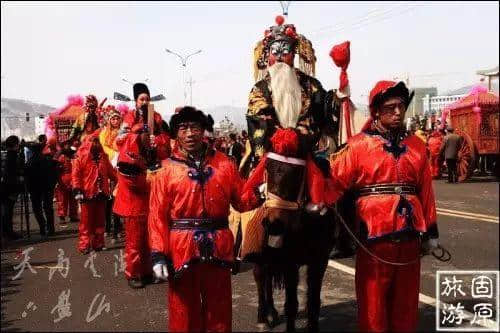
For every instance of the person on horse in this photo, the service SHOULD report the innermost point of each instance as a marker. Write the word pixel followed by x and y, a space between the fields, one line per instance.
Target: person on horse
pixel 286 97
pixel 190 240
pixel 395 208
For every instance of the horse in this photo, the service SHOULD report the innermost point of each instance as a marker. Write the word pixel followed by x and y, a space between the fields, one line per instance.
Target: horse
pixel 292 237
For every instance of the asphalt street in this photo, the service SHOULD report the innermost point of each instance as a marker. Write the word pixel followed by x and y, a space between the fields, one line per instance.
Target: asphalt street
pixel 86 298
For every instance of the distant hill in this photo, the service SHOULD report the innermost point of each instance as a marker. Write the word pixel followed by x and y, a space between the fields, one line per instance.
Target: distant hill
pixel 13 117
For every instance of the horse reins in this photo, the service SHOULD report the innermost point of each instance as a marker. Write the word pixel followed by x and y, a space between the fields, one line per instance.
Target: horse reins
pixel 444 257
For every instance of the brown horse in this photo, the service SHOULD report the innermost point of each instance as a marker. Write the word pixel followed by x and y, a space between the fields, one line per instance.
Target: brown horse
pixel 293 237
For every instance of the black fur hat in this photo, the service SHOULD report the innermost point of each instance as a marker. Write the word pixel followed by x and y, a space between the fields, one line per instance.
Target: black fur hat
pixel 190 114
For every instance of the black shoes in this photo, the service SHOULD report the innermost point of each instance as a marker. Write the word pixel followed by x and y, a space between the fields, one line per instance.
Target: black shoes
pixel 136 283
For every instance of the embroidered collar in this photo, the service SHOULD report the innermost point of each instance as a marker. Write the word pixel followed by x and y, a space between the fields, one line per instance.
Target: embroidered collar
pixel 393 140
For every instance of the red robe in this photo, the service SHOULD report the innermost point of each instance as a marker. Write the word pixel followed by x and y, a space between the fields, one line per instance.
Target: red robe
pixel 92 178
pixel 434 144
pixel 177 192
pixel 66 203
pixel 133 123
pixel 132 203
pixel 387 295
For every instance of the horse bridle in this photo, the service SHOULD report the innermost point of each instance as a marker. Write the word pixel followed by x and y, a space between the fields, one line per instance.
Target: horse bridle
pixel 273 200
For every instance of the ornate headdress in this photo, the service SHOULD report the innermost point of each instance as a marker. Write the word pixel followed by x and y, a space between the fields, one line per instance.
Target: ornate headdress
pixel 301 45
pixel 109 112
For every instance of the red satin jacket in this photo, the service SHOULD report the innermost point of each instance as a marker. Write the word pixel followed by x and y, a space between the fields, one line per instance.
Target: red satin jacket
pixel 178 191
pixel 132 190
pixel 65 175
pixel 369 159
pixel 91 176
pixel 434 143
pixel 132 123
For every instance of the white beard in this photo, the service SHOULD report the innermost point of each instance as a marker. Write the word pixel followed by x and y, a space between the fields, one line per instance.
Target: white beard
pixel 286 94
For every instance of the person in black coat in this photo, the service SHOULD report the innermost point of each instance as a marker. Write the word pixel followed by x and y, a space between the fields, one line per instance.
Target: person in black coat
pixel 235 149
pixel 11 184
pixel 41 177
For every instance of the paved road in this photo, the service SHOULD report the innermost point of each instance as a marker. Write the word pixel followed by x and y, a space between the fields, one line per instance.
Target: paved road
pixel 28 303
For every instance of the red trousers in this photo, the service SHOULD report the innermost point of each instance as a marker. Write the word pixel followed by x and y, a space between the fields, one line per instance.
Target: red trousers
pixel 91 227
pixel 436 163
pixel 200 300
pixel 387 295
pixel 137 252
pixel 66 203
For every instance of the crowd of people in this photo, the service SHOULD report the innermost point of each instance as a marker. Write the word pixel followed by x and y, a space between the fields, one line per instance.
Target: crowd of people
pixel 170 186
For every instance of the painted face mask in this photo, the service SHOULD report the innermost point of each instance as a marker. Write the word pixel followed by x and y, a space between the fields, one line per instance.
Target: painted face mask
pixel 281 51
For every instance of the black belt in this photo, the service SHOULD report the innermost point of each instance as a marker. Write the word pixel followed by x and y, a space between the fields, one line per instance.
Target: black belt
pixel 200 223
pixel 387 189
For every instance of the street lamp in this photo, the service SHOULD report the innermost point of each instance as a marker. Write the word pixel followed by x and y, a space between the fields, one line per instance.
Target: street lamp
pixel 184 60
pixel 125 80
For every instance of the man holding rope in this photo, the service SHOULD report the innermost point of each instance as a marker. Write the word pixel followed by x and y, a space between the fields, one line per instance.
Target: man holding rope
pixel 395 209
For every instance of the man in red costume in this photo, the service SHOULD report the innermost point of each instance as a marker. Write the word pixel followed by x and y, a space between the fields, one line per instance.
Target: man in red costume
pixel 434 144
pixel 135 121
pixel 91 175
pixel 191 243
pixel 395 209
pixel 139 153
pixel 66 203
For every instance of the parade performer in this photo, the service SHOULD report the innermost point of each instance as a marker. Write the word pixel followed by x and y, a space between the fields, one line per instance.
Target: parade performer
pixel 109 132
pixel 136 121
pixel 395 209
pixel 113 118
pixel 190 240
pixel 87 122
pixel 140 154
pixel 434 144
pixel 287 97
pixel 66 203
pixel 90 176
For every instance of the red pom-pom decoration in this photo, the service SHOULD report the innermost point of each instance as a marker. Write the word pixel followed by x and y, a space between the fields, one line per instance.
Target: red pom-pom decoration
pixel 285 142
pixel 341 54
pixel 289 32
pixel 279 20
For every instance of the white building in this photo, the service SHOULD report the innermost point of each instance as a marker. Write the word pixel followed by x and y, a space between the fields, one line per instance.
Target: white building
pixel 435 105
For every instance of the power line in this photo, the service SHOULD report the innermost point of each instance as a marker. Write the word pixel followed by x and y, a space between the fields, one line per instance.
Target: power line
pixel 370 20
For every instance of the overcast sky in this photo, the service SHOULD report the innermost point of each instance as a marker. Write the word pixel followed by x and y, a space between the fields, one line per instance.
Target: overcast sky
pixel 52 50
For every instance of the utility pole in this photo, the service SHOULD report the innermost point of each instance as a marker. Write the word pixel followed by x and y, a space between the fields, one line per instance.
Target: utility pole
pixel 190 82
pixel 183 60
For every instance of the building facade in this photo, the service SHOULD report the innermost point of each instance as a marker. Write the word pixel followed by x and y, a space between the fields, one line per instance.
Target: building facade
pixel 434 105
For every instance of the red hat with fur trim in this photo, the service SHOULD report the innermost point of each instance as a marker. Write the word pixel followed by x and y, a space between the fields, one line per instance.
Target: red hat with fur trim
pixel 387 89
